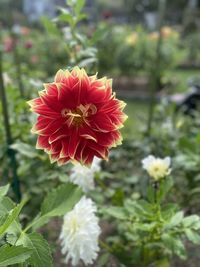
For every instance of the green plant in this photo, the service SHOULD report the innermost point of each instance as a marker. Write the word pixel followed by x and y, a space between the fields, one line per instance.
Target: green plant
pixel 22 245
pixel 151 230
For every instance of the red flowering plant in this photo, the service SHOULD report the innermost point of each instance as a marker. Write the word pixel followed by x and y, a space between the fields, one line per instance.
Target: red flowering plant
pixel 79 117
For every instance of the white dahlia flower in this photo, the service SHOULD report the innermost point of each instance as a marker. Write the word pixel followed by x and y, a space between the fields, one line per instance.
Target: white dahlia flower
pixel 80 232
pixel 157 168
pixel 84 176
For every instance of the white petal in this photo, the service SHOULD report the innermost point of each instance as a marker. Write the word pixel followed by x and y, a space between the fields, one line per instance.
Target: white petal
pixel 167 161
pixel 148 161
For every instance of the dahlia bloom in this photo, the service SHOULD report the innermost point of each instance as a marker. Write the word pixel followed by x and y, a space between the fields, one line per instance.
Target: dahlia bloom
pixel 84 176
pixel 79 117
pixel 80 232
pixel 157 168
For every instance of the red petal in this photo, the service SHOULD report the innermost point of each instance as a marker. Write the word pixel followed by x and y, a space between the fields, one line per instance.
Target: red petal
pixel 74 142
pixel 61 133
pixel 42 142
pixel 62 76
pixel 101 122
pixel 47 127
pixel 52 102
pixel 65 148
pixel 87 133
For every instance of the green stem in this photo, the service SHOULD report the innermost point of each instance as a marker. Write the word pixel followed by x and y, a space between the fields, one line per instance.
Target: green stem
pixel 144 257
pixel 11 153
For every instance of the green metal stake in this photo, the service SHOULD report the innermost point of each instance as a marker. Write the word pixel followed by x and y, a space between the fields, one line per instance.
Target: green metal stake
pixel 11 152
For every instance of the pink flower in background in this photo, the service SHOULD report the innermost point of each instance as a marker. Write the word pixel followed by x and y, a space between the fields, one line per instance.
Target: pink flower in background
pixel 28 44
pixel 8 44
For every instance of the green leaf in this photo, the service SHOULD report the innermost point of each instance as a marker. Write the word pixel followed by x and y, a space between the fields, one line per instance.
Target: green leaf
pixel 65 17
pixel 41 254
pixel 58 203
pixel 117 212
pixel 150 194
pixel 79 6
pixel 192 221
pixel 165 186
pixel 49 26
pixel 12 216
pixel 13 255
pixel 193 236
pixel 162 263
pixel 146 227
pixel 175 245
pixel 4 190
pixel 168 210
pixel 61 200
pixel 81 17
pixel 175 220
pixel 84 63
pixel 25 149
pixel 103 260
pixel 6 207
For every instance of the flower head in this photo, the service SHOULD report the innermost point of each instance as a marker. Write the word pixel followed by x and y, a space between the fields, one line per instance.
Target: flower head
pixel 79 117
pixel 132 38
pixel 157 168
pixel 80 232
pixel 84 176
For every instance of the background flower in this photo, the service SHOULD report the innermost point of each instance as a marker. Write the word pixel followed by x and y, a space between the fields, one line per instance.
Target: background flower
pixel 79 117
pixel 80 232
pixel 157 168
pixel 84 176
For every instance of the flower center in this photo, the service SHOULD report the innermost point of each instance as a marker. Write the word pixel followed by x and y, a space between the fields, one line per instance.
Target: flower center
pixel 79 115
pixel 74 226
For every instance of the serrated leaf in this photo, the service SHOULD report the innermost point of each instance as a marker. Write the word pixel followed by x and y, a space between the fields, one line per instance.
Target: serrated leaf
pixel 61 200
pixel 11 217
pixel 41 254
pixel 4 190
pixel 58 203
pixel 6 205
pixel 13 255
pixel 193 236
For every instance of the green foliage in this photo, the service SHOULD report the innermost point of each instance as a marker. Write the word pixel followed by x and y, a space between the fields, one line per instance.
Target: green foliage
pixel 11 217
pixel 57 203
pixel 13 255
pixel 154 228
pixel 41 253
pixel 30 247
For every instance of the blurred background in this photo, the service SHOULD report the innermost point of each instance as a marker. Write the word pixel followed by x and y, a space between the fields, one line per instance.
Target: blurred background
pixel 151 49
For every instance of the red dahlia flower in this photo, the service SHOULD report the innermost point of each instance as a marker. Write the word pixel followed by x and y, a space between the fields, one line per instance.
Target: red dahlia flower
pixel 79 117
